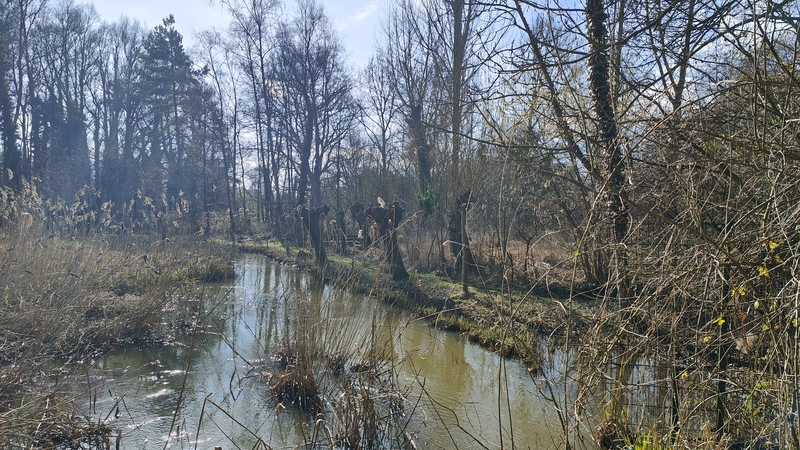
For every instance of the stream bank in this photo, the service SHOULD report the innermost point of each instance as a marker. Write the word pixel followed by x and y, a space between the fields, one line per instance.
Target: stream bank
pixel 510 322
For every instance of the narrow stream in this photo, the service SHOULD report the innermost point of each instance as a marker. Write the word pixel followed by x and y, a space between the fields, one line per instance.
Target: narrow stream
pixel 457 395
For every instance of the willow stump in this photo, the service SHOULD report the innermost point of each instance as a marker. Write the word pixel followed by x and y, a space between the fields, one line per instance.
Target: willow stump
pixel 386 219
pixel 359 214
pixel 310 220
pixel 457 233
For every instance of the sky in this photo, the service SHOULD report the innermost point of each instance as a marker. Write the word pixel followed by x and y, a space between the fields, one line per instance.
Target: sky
pixel 356 20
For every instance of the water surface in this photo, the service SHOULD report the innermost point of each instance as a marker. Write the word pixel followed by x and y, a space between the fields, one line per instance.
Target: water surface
pixel 211 389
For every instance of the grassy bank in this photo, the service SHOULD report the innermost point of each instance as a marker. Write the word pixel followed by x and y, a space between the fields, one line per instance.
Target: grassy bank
pixel 506 321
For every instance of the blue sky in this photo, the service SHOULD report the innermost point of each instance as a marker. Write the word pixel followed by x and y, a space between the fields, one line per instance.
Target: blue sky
pixel 356 20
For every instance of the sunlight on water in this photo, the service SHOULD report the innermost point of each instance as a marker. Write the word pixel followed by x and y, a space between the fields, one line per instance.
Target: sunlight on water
pixel 457 395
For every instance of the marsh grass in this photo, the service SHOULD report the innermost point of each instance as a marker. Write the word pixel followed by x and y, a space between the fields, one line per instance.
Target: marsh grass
pixel 335 364
pixel 65 299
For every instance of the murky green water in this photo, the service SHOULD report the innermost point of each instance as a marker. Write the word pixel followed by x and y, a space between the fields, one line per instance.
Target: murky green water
pixel 207 391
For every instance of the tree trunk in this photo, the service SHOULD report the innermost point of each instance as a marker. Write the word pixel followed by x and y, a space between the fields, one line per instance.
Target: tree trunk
pixel 12 159
pixel 310 222
pixel 358 213
pixel 421 148
pixel 387 219
pixel 460 30
pixel 305 156
pixel 613 163
pixel 459 241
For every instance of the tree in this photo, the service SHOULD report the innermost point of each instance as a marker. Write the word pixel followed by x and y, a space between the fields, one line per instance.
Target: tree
pixel 223 84
pixel 12 159
pixel 69 43
pixel 386 219
pixel 608 137
pixel 380 117
pixel 317 94
pixel 461 31
pixel 432 55
pixel 123 120
pixel 253 33
pixel 171 86
pixel 23 18
pixel 409 69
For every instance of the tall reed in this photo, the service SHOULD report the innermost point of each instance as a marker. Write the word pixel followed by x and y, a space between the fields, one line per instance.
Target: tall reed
pixel 67 298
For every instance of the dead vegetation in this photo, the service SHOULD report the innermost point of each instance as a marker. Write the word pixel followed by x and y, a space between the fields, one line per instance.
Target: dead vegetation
pixel 340 374
pixel 64 299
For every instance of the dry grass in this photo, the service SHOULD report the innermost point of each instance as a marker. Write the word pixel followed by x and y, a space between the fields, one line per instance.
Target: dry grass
pixel 332 368
pixel 66 299
pixel 295 383
pixel 549 260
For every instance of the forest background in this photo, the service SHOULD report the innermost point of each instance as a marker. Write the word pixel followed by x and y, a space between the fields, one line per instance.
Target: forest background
pixel 645 152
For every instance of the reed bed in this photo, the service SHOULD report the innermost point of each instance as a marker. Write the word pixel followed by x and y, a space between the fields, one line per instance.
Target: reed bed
pixel 68 297
pixel 338 372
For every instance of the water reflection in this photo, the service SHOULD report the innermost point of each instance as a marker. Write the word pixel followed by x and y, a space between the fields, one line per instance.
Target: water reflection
pixel 206 392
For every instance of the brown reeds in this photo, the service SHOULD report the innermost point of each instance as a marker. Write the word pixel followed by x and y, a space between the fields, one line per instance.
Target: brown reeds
pixel 331 367
pixel 65 298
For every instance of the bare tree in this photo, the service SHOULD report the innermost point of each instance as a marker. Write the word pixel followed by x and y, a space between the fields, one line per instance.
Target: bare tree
pixel 69 43
pixel 317 94
pixel 22 18
pixel 218 59
pixel 380 117
pixel 12 159
pixel 410 71
pixel 122 111
pixel 253 31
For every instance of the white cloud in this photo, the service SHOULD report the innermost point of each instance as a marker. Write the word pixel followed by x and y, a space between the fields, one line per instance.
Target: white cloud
pixel 368 10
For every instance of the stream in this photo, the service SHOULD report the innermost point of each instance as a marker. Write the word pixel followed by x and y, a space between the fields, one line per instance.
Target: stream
pixel 211 389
